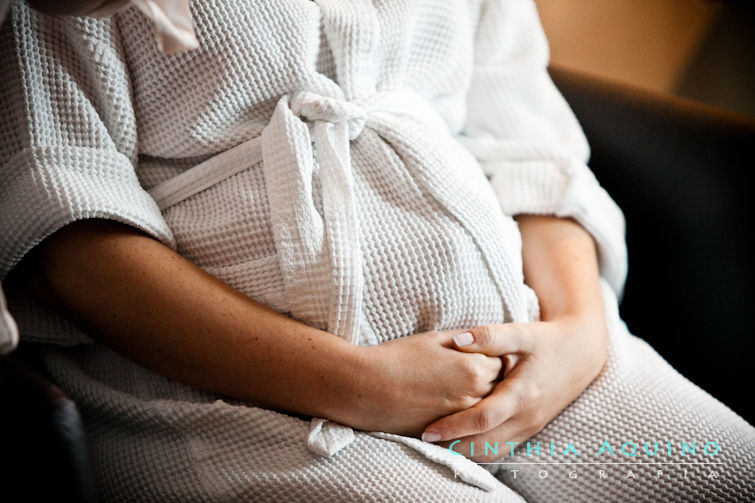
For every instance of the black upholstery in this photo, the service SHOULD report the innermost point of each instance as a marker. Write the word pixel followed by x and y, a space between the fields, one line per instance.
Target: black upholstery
pixel 680 172
pixel 43 446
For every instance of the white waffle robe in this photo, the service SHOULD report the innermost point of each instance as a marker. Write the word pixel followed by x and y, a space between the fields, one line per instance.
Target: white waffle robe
pixel 355 165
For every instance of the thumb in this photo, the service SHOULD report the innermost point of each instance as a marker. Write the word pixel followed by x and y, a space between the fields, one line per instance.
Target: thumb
pixel 494 340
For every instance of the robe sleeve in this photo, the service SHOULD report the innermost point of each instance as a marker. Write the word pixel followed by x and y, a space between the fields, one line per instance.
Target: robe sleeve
pixel 68 142
pixel 526 138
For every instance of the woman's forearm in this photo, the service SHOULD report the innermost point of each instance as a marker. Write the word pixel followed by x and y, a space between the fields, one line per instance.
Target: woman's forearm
pixel 139 297
pixel 561 266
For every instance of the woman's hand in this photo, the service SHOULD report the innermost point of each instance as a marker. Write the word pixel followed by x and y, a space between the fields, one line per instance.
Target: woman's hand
pixel 549 362
pixel 408 382
pixel 553 362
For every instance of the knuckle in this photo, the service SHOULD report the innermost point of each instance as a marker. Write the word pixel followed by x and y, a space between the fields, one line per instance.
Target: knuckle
pixel 466 402
pixel 485 370
pixel 434 335
pixel 484 335
pixel 484 420
pixel 535 392
pixel 482 388
pixel 475 373
pixel 469 370
pixel 522 402
pixel 529 396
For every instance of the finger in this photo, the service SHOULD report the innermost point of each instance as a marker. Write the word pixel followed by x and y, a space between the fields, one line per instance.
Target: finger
pixel 509 362
pixel 494 367
pixel 484 391
pixel 446 337
pixel 485 415
pixel 495 340
pixel 480 374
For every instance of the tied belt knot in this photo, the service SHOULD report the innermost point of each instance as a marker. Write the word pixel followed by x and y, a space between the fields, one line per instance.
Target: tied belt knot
pixel 317 108
pixel 305 147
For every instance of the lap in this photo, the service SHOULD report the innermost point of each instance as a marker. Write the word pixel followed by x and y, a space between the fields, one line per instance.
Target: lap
pixel 152 439
pixel 638 400
pixel 155 440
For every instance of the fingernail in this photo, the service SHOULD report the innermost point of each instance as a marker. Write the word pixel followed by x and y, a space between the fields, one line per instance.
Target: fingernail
pixel 430 436
pixel 464 339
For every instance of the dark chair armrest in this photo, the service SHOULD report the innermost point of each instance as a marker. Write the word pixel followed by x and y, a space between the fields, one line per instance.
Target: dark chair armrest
pixel 44 449
pixel 680 172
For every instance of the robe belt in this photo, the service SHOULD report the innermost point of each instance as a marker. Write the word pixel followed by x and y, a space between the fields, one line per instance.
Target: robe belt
pixel 320 256
pixel 305 145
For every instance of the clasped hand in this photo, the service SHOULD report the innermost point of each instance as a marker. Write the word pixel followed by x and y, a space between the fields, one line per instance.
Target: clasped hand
pixel 501 382
pixel 492 383
pixel 547 365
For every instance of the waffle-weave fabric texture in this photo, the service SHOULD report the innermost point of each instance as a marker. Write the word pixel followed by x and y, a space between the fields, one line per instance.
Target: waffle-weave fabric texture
pixel 397 140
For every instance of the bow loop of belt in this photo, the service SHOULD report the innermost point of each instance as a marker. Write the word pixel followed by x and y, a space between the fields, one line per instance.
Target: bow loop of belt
pixel 321 259
pixel 317 108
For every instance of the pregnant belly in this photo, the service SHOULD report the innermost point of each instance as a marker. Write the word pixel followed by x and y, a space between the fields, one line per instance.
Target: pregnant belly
pixel 423 269
pixel 435 258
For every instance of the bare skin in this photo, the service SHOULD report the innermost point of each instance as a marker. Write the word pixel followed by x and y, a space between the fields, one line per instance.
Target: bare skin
pixel 140 298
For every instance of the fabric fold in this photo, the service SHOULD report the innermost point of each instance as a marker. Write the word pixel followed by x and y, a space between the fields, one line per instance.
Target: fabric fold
pixel 528 141
pixel 327 438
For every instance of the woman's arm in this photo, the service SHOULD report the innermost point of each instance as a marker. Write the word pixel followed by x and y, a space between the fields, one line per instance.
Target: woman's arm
pixel 561 266
pixel 530 145
pixel 140 298
pixel 555 358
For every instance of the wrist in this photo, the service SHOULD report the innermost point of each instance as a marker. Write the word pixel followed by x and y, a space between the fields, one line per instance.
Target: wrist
pixel 368 395
pixel 589 332
pixel 347 391
pixel 561 266
pixel 582 306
